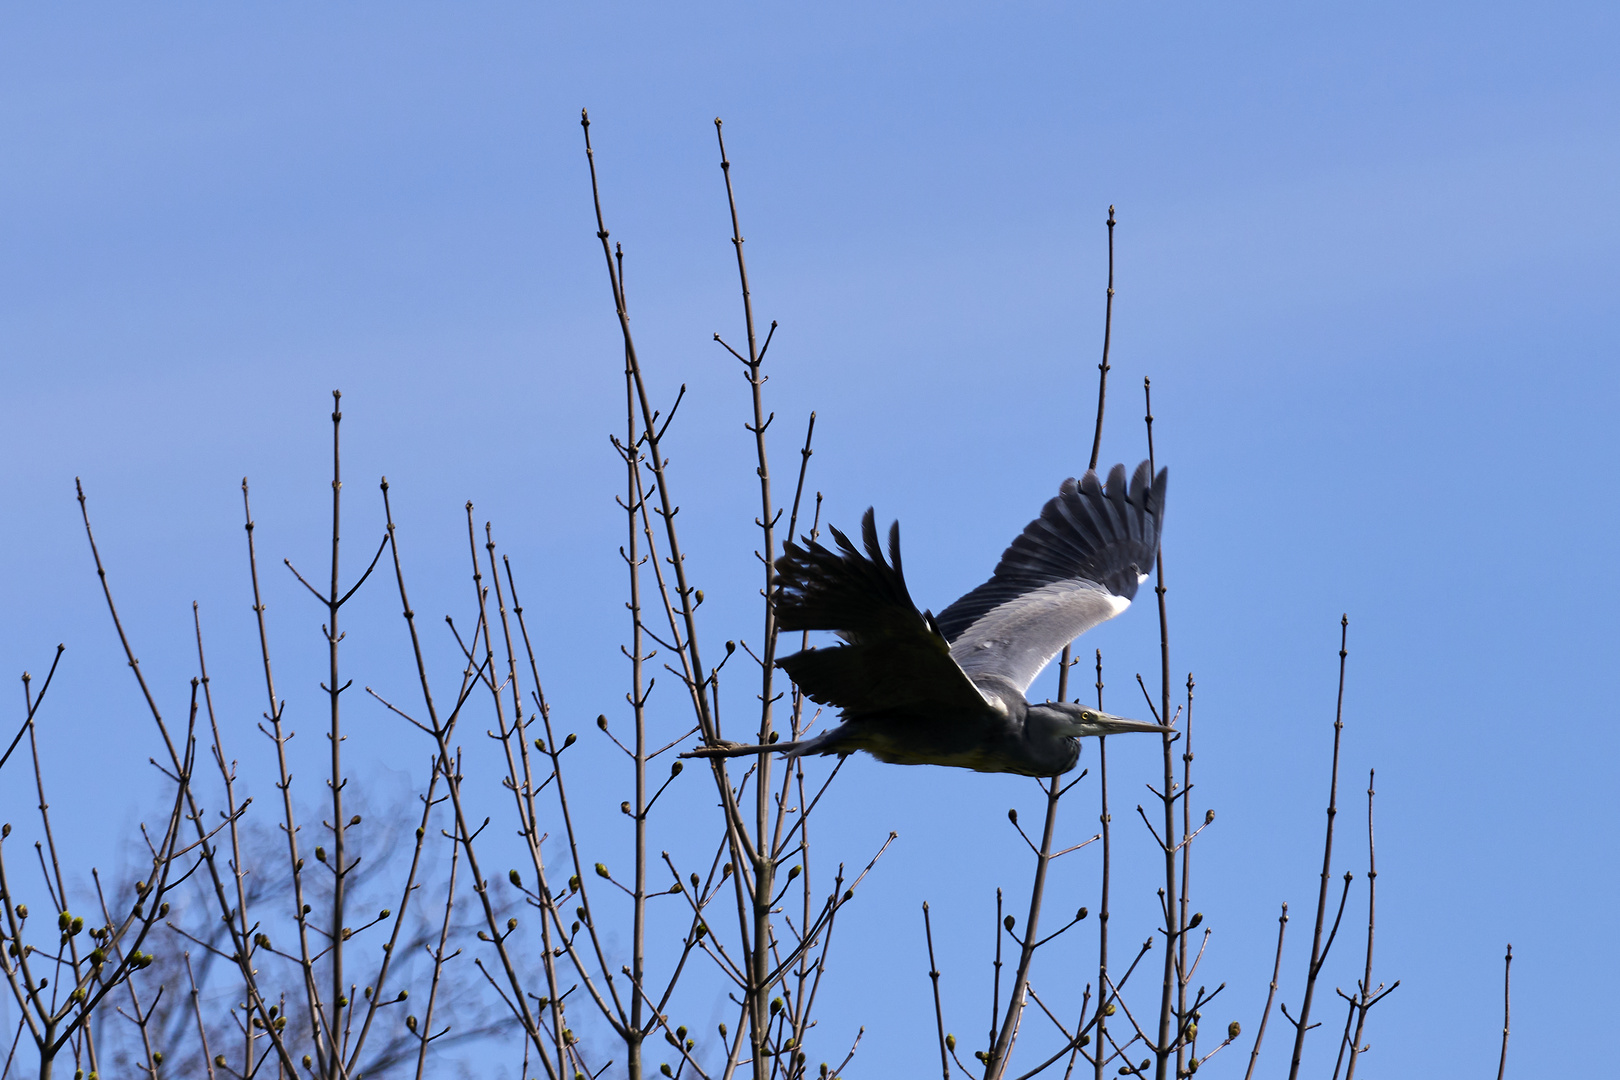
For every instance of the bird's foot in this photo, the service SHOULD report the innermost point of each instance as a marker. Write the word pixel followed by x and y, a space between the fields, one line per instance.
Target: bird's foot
pixel 725 748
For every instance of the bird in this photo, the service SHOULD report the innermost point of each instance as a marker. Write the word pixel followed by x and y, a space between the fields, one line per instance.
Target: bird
pixel 918 689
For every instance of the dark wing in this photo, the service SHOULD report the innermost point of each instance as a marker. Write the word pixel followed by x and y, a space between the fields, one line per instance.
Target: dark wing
pixel 1076 565
pixel 895 657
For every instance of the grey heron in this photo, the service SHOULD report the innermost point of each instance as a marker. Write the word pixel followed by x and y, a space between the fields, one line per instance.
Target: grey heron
pixel 916 689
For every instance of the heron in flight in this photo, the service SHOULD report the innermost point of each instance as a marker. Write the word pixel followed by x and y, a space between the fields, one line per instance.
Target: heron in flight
pixel 916 689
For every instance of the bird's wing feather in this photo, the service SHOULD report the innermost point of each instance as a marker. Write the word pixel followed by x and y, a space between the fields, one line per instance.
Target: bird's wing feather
pixel 1076 565
pixel 895 656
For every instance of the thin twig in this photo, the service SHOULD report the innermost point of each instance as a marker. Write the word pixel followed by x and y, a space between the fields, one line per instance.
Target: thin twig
pixel 1172 927
pixel 1507 1010
pixel 33 704
pixel 1318 954
pixel 1363 998
pixel 1102 908
pixel 764 867
pixel 1265 1015
pixel 1108 333
pixel 1184 973
pixel 939 1011
pixel 1001 1053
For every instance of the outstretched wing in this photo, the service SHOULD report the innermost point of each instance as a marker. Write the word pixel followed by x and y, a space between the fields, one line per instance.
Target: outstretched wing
pixel 1076 565
pixel 895 656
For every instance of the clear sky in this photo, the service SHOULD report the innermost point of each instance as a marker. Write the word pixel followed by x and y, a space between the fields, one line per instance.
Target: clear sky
pixel 1367 253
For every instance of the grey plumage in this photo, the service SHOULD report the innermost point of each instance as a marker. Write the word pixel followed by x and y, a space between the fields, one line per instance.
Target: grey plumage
pixel 913 689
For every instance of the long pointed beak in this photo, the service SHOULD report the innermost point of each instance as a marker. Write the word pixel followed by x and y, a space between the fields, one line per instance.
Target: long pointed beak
pixel 1118 725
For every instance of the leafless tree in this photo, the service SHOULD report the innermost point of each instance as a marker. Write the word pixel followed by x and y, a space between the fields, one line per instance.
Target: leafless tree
pixel 584 959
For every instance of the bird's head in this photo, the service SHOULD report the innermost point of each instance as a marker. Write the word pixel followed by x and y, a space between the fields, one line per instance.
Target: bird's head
pixel 1079 720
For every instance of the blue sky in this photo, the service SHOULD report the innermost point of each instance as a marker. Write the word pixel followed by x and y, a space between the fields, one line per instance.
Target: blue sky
pixel 1367 254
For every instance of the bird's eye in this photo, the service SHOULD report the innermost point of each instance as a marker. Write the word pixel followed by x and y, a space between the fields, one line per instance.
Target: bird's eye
pixel 1088 717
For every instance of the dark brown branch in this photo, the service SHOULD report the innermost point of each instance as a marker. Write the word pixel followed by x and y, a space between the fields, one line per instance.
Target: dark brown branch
pixel 1302 1025
pixel 1108 333
pixel 1507 1010
pixel 764 867
pixel 1184 973
pixel 1363 1002
pixel 180 761
pixel 1172 928
pixel 1001 1053
pixel 939 1011
pixel 33 704
pixel 1265 1015
pixel 1102 907
pixel 449 765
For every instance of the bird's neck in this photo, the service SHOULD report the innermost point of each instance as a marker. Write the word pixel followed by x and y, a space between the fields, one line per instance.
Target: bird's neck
pixel 1049 747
